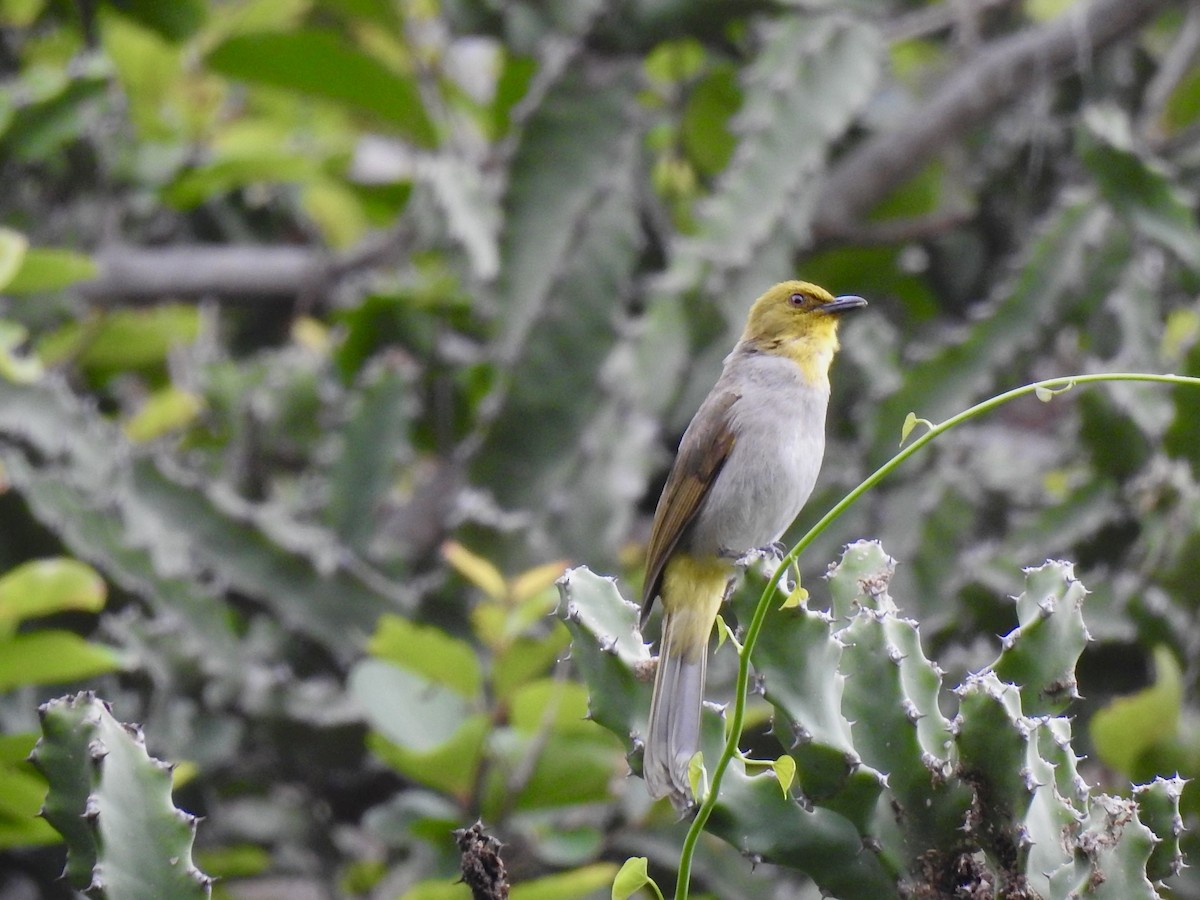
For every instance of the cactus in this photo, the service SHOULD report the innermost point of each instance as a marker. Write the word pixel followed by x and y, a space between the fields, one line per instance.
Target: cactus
pixel 891 798
pixel 111 801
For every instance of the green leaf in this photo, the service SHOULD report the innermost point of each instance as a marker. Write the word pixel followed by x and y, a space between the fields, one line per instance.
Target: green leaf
pixel 634 876
pixel 13 246
pixel 52 657
pixel 567 768
pixel 45 269
pixel 176 21
pixel 150 69
pixel 410 710
pixel 238 861
pixel 20 13
pixel 527 658
pixel 910 422
pixel 264 164
pixel 704 129
pixel 429 652
pixel 320 64
pixel 46 586
pixel 562 705
pixel 17 367
pixel 124 340
pixel 437 889
pixel 22 793
pixel 1129 726
pixel 38 131
pixel 1183 106
pixel 785 771
pixel 573 885
pixel 697 776
pixel 164 411
pixel 450 768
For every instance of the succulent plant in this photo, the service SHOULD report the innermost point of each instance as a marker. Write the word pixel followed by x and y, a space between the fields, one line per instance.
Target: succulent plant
pixel 890 797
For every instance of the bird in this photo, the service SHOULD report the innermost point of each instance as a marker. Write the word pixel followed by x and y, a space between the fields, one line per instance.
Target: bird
pixel 744 469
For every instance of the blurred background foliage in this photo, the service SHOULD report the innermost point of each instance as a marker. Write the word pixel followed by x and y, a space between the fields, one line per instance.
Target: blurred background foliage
pixel 331 331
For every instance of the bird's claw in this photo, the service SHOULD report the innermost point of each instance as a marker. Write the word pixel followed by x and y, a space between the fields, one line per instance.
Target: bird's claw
pixel 772 553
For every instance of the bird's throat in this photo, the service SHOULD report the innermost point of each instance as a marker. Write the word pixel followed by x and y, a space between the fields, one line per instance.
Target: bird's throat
pixel 812 354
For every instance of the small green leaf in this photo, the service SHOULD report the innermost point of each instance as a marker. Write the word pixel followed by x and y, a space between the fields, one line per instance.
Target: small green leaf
pixel 50 269
pixel 1046 394
pixel 785 771
pixel 911 421
pixel 429 652
pixel 1129 726
pixel 13 246
pixel 46 586
pixel 17 367
pixel 52 657
pixel 164 411
pixel 697 776
pixel 797 597
pixel 634 876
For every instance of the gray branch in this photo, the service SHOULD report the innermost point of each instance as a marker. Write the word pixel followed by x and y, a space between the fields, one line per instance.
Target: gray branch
pixel 1000 73
pixel 197 270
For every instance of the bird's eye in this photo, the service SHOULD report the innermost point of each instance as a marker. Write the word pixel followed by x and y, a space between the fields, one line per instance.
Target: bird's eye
pixel 797 299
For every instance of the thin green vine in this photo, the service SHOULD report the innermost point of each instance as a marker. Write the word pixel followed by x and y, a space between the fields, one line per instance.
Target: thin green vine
pixel 1045 390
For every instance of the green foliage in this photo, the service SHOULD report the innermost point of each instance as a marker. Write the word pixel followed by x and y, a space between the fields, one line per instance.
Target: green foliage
pixel 300 298
pixel 319 64
pixel 33 655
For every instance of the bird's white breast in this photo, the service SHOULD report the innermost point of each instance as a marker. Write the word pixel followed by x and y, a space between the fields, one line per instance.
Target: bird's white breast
pixel 779 427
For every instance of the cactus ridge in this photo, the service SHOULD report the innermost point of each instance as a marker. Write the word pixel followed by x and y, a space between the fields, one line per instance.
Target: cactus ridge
pixel 891 797
pixel 112 803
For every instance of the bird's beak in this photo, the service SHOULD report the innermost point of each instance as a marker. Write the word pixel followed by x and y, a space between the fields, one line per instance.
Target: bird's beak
pixel 841 304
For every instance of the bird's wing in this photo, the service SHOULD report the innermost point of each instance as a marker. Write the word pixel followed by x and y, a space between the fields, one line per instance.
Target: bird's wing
pixel 703 452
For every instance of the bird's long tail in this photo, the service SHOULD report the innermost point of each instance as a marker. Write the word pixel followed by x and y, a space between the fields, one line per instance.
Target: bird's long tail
pixel 673 733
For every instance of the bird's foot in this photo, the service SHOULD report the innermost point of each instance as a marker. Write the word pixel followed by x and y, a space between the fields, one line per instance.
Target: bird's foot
pixel 772 554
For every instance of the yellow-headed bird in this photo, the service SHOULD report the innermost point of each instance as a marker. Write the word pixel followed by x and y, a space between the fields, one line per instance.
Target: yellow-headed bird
pixel 746 465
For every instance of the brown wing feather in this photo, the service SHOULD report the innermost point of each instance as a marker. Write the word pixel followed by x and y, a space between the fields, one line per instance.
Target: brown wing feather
pixel 705 447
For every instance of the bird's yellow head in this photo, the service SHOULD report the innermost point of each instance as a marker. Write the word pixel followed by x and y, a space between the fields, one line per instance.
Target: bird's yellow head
pixel 799 320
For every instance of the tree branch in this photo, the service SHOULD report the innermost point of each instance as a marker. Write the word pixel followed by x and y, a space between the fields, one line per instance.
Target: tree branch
pixel 142 273
pixel 1000 73
pixel 273 272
